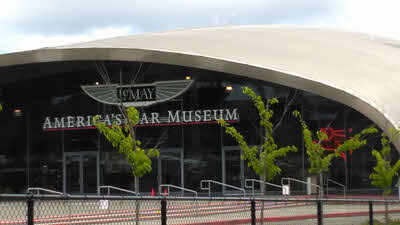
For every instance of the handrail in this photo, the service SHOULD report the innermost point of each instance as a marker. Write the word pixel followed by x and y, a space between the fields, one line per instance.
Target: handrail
pixel 219 183
pixel 114 188
pixel 326 182
pixel 258 181
pixel 300 181
pixel 38 189
pixel 173 186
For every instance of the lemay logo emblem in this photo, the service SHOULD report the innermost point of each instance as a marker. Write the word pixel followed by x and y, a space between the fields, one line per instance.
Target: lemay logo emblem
pixel 137 95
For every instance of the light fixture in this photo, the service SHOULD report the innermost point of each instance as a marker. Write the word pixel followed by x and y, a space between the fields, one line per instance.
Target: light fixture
pixel 228 88
pixel 187 77
pixel 17 112
pixel 97 83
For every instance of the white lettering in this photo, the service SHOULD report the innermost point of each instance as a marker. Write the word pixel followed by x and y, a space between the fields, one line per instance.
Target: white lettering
pixel 118 120
pixel 154 117
pixel 107 121
pixel 177 116
pixel 59 122
pixel 89 121
pixel 173 118
pixel 79 121
pixel 231 116
pixel 197 115
pixel 47 123
pixel 70 121
pixel 215 111
pixel 144 119
pixel 207 115
pixel 144 93
pixel 150 92
pixel 187 119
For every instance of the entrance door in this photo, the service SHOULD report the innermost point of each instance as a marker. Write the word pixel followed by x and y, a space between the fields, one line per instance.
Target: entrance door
pixel 170 167
pixel 232 168
pixel 81 172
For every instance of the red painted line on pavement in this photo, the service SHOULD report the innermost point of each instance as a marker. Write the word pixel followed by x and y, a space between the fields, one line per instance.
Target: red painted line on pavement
pixel 291 218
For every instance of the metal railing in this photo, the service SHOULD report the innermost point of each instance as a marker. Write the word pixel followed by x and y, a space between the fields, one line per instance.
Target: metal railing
pixel 176 187
pixel 38 190
pixel 260 182
pixel 326 182
pixel 109 188
pixel 62 209
pixel 219 183
pixel 303 182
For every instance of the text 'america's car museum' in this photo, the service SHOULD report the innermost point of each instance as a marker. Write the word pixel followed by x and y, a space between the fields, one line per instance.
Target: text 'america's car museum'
pixel 182 82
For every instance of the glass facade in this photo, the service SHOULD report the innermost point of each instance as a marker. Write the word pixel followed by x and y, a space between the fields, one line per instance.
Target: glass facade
pixel 48 141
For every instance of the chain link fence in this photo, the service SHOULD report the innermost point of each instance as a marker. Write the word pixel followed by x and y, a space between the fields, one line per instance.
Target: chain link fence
pixel 49 210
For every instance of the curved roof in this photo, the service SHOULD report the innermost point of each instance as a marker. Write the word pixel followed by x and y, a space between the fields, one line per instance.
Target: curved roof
pixel 358 70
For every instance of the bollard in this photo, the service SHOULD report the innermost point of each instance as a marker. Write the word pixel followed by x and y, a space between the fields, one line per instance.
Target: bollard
pixel 319 212
pixel 30 209
pixel 371 213
pixel 163 211
pixel 253 212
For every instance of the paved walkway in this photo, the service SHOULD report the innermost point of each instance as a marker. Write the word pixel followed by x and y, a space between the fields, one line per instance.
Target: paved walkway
pixel 188 212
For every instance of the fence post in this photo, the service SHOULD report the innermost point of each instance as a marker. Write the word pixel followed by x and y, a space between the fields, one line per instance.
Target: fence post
pixel 319 212
pixel 371 213
pixel 253 212
pixel 163 211
pixel 30 210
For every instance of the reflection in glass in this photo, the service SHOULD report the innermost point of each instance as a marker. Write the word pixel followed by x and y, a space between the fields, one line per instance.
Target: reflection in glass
pixel 73 174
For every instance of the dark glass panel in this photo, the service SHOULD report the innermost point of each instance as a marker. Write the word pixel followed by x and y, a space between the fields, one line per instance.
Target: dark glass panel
pixel 13 150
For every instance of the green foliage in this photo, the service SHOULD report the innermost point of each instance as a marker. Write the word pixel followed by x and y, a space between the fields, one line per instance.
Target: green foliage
pixel 263 159
pixel 121 138
pixel 383 172
pixel 320 159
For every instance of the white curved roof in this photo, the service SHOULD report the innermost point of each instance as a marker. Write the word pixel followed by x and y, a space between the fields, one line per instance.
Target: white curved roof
pixel 358 70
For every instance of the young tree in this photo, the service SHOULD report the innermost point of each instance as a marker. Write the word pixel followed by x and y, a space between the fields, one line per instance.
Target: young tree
pixel 262 160
pixel 123 138
pixel 383 172
pixel 320 159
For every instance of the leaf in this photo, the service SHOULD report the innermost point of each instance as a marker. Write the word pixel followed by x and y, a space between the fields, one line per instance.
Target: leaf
pixel 121 139
pixel 383 172
pixel 319 158
pixel 261 160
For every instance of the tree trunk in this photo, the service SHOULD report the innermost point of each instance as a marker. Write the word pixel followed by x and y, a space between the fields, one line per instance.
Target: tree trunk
pixel 321 184
pixel 262 194
pixel 137 204
pixel 386 208
pixel 137 185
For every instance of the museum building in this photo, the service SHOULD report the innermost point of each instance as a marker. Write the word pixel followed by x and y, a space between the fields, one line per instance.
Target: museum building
pixel 182 82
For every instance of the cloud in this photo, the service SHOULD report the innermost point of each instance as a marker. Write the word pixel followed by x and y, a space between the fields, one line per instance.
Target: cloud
pixel 23 42
pixel 73 16
pixel 376 17
pixel 31 24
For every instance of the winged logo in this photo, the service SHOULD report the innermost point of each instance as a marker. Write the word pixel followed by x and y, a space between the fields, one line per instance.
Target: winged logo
pixel 137 95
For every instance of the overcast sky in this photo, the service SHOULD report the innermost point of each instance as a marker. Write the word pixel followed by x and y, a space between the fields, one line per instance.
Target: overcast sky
pixel 30 24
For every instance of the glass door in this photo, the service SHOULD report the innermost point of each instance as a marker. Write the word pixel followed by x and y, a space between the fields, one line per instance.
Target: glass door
pixel 81 172
pixel 73 174
pixel 169 167
pixel 232 168
pixel 235 170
